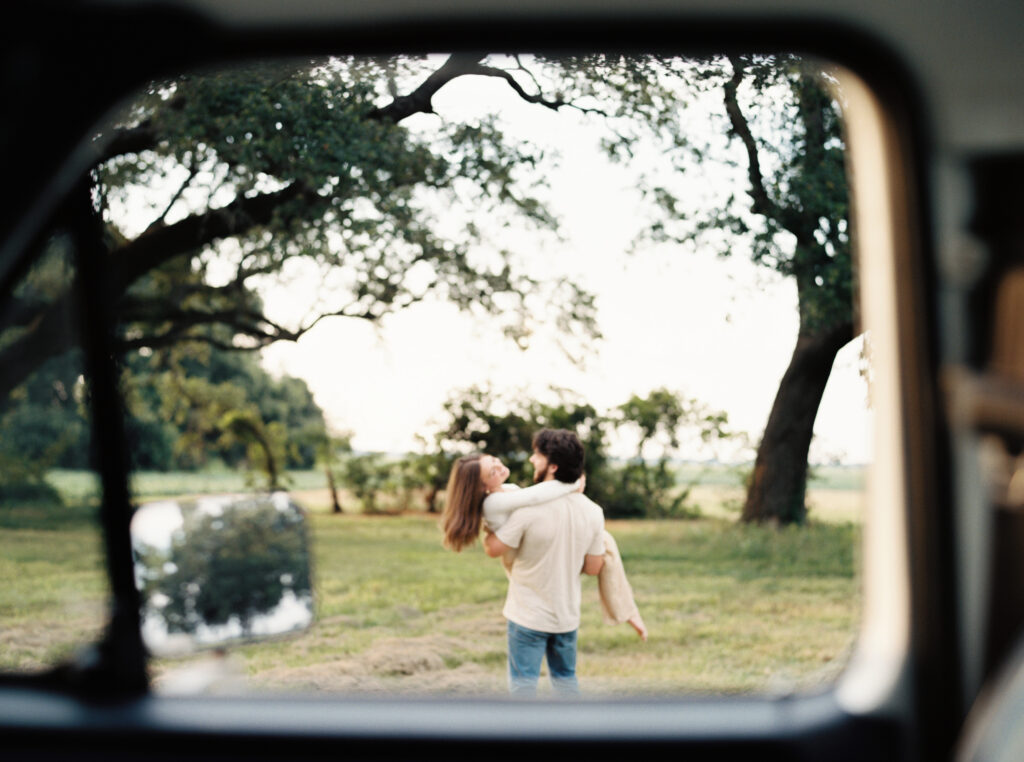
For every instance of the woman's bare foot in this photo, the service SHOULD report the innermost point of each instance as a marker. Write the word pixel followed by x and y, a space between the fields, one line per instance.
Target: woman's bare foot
pixel 637 623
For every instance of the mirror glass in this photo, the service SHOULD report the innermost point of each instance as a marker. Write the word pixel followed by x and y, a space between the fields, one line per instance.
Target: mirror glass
pixel 219 569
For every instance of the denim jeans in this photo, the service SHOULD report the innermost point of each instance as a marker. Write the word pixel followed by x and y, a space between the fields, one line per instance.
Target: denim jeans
pixel 527 649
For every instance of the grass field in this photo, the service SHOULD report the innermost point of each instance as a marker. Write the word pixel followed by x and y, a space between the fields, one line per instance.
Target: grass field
pixel 731 608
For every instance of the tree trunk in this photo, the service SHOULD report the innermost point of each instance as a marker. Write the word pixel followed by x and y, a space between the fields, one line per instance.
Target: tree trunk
pixel 333 488
pixel 247 427
pixel 778 485
pixel 271 463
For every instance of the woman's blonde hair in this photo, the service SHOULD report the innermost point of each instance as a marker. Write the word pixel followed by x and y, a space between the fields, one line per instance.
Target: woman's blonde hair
pixel 464 501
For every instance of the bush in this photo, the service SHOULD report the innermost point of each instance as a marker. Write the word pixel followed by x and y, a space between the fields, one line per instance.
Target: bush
pixel 25 492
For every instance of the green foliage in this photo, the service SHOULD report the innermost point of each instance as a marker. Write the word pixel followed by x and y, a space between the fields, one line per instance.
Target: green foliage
pixel 638 489
pixel 394 484
pixel 368 475
pixel 428 469
pixel 240 176
pixel 191 405
pixel 19 489
pixel 643 487
pixel 42 426
pixel 259 171
pixel 782 115
pixel 321 183
pixel 480 421
pixel 44 419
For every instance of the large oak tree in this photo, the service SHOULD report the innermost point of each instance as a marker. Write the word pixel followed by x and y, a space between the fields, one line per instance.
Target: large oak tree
pixel 789 212
pixel 792 217
pixel 272 171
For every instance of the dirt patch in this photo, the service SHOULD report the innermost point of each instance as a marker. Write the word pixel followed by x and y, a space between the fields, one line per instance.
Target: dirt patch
pixel 37 645
pixel 429 664
pixel 405 657
pixel 312 499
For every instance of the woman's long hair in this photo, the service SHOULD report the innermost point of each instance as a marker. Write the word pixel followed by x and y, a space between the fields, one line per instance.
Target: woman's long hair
pixel 464 501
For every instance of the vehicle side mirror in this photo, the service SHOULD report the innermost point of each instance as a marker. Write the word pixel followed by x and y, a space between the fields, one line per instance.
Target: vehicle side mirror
pixel 221 569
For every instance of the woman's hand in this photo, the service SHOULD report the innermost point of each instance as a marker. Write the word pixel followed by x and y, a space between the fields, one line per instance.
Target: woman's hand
pixel 582 482
pixel 493 546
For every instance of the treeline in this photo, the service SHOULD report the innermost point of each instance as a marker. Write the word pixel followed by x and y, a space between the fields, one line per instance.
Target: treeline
pixel 187 408
pixel 196 407
pixel 199 407
pixel 660 424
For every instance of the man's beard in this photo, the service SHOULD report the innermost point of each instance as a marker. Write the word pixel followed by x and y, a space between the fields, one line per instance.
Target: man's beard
pixel 539 476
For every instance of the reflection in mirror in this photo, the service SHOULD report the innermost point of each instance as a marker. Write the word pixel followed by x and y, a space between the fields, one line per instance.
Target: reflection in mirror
pixel 214 570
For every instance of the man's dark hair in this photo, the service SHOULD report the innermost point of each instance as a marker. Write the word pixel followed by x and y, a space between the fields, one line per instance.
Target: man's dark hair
pixel 562 448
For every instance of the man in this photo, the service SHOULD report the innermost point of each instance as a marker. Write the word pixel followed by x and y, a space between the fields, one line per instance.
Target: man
pixel 554 543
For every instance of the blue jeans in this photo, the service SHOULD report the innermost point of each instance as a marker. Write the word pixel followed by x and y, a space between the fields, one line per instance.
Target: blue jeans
pixel 527 649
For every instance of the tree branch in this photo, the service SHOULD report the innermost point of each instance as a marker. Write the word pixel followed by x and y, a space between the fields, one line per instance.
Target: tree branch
pixel 159 221
pixel 419 100
pixel 49 336
pixel 165 242
pixel 251 323
pixel 141 137
pixel 763 204
pixel 554 105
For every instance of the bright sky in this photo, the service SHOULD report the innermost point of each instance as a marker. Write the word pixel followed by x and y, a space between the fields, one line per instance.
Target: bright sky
pixel 719 330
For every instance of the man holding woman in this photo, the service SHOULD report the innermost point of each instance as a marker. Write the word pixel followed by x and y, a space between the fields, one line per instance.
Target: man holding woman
pixel 546 535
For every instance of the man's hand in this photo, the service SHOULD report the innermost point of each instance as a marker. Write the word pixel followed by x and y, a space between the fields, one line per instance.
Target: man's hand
pixel 495 547
pixel 592 565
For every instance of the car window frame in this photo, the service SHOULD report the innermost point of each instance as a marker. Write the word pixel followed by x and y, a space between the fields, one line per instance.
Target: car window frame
pixel 770 724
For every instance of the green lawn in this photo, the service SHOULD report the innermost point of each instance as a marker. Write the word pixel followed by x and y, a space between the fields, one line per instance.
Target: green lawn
pixel 53 589
pixel 78 486
pixel 730 608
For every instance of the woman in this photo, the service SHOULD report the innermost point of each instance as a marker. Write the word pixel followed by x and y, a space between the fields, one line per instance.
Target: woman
pixel 477 494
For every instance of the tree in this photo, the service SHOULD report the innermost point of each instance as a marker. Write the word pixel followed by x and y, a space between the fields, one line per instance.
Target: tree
pixel 803 208
pixel 429 468
pixel 302 168
pixel 328 449
pixel 783 114
pixel 43 420
pixel 481 420
pixel 43 426
pixel 368 475
pixel 188 406
pixel 648 482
